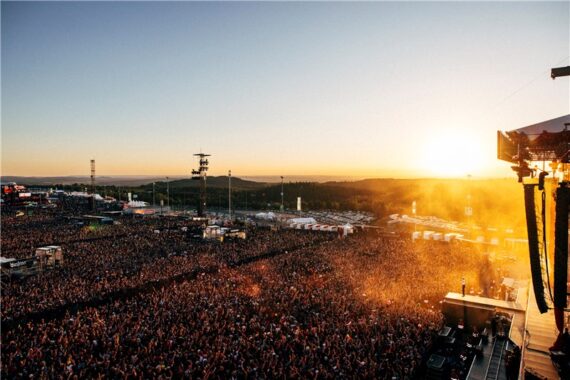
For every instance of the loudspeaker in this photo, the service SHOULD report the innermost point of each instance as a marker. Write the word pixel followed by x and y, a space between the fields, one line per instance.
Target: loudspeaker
pixel 561 246
pixel 535 268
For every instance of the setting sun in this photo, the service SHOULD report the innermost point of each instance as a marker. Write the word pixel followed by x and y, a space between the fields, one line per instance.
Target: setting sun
pixel 310 190
pixel 453 155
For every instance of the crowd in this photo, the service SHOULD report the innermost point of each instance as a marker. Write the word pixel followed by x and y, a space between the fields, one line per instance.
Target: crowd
pixel 22 235
pixel 364 307
pixel 122 257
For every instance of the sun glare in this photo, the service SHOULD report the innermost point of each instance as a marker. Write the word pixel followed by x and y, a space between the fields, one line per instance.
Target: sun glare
pixel 451 156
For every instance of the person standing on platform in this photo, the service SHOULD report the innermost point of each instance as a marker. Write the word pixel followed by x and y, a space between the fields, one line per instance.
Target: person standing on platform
pixel 463 283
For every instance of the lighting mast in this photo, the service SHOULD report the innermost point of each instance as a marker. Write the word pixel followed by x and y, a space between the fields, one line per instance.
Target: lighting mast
pixel 200 175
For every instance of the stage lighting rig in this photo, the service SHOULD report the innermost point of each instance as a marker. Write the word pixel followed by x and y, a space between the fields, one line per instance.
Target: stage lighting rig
pixel 200 175
pixel 547 206
pixel 548 141
pixel 560 72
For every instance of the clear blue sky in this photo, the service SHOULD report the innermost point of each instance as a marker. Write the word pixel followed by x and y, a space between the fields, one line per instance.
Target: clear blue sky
pixel 366 89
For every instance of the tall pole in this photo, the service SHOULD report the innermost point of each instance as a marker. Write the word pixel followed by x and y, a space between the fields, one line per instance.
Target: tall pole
pixel 203 196
pixel 94 206
pixel 167 194
pixel 282 206
pixel 92 176
pixel 200 175
pixel 153 202
pixel 230 194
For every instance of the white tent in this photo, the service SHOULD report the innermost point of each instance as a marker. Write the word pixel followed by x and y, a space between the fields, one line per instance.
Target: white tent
pixel 347 229
pixel 302 221
pixel 85 195
pixel 6 260
pixel 137 204
pixel 265 215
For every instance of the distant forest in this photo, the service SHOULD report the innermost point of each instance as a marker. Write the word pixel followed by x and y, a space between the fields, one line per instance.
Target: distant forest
pixel 495 202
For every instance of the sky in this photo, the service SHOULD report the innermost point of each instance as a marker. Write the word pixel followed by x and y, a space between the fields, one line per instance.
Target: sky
pixel 386 89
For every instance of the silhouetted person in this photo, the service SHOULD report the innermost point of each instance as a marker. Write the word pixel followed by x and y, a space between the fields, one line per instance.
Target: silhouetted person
pixel 463 283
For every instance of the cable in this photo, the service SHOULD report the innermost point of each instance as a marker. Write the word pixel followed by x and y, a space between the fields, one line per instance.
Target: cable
pixel 491 110
pixel 527 84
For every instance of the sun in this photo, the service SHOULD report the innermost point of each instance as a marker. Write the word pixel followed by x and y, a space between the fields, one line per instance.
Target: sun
pixel 451 155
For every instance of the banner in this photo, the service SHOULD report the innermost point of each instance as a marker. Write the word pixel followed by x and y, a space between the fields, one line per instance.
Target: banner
pixel 21 263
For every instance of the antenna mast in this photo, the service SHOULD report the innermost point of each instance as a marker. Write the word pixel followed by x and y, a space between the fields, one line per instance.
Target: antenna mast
pixel 93 205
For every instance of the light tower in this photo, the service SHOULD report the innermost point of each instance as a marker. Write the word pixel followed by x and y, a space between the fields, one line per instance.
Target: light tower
pixel 282 208
pixel 200 175
pixel 93 184
pixel 93 176
pixel 167 194
pixel 230 194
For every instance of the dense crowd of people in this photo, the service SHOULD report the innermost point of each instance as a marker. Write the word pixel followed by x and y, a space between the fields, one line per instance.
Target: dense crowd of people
pixel 105 259
pixel 365 306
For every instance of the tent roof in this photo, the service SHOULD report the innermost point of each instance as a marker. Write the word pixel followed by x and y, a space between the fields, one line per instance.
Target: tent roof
pixel 302 220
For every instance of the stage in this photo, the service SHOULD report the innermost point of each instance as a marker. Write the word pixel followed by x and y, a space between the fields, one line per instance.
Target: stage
pixel 533 332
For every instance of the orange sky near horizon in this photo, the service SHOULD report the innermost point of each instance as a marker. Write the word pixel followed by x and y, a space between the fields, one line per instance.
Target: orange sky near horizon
pixel 335 89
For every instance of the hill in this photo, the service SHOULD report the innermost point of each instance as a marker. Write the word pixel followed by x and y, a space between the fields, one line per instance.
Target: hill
pixel 216 182
pixel 495 202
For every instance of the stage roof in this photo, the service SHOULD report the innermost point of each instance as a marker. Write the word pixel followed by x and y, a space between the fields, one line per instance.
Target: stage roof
pixel 545 141
pixel 551 126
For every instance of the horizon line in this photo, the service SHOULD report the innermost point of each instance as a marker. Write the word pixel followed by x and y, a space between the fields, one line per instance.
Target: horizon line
pixel 278 177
